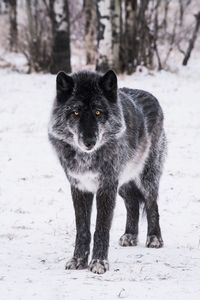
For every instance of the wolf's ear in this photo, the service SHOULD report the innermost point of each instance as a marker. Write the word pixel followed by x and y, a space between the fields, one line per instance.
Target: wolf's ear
pixel 64 86
pixel 108 83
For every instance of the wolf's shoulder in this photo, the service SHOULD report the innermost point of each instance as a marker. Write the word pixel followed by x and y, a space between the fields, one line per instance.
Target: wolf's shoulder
pixel 144 100
pixel 138 96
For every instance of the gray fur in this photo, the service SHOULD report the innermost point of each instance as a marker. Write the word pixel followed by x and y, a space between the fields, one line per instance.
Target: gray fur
pixel 122 151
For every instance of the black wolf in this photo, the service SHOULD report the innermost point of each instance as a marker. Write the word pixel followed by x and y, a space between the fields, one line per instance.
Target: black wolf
pixel 108 140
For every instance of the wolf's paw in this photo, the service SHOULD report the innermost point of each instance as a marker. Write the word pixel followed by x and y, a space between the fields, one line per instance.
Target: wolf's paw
pixel 154 242
pixel 128 239
pixel 98 266
pixel 76 264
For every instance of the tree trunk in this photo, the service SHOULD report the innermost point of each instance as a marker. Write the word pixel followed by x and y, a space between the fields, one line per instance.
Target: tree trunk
pixel 144 37
pixel 90 12
pixel 156 29
pixel 104 38
pixel 12 6
pixel 116 34
pixel 109 35
pixel 32 37
pixel 192 40
pixel 61 54
pixel 130 42
pixel 37 38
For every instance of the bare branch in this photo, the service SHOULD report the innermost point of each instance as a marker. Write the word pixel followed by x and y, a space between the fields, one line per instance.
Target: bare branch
pixel 192 40
pixel 181 50
pixel 172 40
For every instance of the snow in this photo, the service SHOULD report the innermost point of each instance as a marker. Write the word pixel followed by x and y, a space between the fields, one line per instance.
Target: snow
pixel 14 61
pixel 37 227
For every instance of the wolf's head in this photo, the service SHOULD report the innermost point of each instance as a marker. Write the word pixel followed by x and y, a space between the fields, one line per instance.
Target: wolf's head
pixel 86 112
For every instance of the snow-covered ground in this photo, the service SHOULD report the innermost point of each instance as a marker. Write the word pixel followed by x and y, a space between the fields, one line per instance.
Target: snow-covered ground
pixel 37 226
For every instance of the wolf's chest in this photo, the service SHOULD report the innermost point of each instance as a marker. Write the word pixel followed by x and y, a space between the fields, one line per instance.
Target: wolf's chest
pixel 86 181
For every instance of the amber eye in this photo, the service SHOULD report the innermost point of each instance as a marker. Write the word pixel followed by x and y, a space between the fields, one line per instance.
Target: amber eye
pixel 98 113
pixel 76 113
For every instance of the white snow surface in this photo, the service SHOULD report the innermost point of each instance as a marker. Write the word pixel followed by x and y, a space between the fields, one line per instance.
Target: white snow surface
pixel 37 227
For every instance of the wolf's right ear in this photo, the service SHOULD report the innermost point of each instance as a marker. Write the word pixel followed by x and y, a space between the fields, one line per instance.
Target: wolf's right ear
pixel 64 86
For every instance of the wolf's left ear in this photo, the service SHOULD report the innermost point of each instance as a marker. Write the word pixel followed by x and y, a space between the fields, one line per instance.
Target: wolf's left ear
pixel 108 83
pixel 64 86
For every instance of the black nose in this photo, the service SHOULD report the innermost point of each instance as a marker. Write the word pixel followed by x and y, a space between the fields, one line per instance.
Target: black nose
pixel 90 142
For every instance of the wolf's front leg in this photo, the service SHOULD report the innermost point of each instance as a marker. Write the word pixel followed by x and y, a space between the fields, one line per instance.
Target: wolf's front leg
pixel 82 205
pixel 105 206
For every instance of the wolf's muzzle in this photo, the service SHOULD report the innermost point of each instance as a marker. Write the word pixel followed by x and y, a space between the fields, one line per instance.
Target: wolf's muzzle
pixel 90 142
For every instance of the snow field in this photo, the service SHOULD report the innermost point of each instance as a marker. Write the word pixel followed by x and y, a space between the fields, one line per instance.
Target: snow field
pixel 37 227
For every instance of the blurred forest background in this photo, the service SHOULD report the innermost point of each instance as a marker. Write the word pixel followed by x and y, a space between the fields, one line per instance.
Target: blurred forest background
pixel 125 35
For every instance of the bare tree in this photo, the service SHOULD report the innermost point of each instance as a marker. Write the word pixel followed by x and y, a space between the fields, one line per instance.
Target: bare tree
pixel 13 36
pixel 116 34
pixel 192 40
pixel 61 54
pixel 130 46
pixel 104 38
pixel 31 7
pixel 145 38
pixel 109 35
pixel 90 12
pixel 35 41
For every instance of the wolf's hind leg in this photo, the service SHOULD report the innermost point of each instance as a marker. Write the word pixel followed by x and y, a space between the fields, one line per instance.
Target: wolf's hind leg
pixel 132 198
pixel 150 183
pixel 154 238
